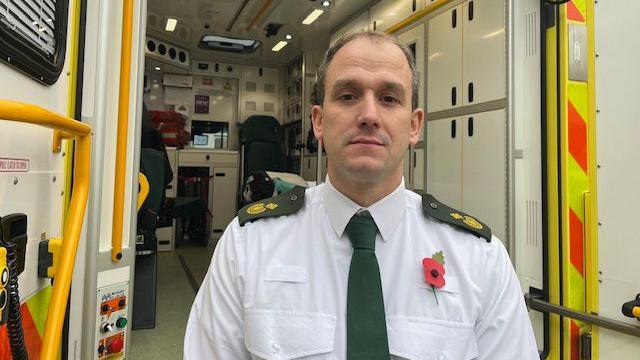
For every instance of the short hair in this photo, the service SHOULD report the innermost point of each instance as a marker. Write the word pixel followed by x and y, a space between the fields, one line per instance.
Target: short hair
pixel 318 93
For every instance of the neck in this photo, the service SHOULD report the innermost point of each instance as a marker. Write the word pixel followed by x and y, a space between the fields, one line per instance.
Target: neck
pixel 365 193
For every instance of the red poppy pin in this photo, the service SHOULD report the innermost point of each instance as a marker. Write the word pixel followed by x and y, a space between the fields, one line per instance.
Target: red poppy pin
pixel 434 272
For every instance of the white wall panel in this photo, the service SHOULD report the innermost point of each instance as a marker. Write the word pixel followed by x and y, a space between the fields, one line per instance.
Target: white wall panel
pixel 259 89
pixel 617 129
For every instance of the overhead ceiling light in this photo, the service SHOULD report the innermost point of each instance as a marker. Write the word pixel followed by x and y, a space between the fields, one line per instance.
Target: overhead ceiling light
pixel 279 46
pixel 326 3
pixel 313 16
pixel 171 24
pixel 157 68
pixel 289 37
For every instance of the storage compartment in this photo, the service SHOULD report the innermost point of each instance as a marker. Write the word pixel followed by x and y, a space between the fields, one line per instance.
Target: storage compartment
pixel 467 166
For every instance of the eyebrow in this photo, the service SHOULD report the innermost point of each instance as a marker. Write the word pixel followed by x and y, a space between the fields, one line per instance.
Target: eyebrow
pixel 395 87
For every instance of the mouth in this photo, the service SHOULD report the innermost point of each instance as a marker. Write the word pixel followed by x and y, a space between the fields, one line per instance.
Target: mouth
pixel 366 141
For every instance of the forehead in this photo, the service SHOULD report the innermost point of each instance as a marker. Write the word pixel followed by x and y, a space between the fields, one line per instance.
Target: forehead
pixel 365 57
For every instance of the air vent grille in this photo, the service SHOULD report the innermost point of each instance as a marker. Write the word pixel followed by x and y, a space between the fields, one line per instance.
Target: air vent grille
pixel 33 20
pixel 532 223
pixel 531 22
pixel 167 52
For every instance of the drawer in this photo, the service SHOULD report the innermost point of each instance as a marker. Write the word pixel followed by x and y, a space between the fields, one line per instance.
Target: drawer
pixel 193 157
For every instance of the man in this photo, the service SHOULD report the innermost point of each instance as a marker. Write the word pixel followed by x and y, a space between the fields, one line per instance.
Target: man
pixel 359 267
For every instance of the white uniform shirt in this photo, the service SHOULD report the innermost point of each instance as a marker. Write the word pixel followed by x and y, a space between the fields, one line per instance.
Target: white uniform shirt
pixel 277 288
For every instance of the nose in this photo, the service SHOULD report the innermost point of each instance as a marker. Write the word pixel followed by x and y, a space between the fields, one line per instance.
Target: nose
pixel 369 115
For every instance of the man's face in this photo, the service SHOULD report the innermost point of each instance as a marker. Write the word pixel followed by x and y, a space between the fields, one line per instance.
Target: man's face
pixel 366 122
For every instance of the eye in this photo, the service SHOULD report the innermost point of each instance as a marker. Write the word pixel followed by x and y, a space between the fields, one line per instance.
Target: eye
pixel 347 97
pixel 389 99
pixel 5 277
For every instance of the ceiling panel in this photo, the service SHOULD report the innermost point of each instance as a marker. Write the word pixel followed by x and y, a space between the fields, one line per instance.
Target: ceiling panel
pixel 199 17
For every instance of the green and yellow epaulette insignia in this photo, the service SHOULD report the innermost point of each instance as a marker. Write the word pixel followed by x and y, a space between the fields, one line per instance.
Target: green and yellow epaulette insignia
pixel 442 212
pixel 286 203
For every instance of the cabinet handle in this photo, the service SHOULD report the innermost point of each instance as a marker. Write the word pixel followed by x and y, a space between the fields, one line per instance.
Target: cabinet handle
pixel 414 6
pixel 454 18
pixel 453 129
pixel 221 174
pixel 470 92
pixel 453 96
pixel 470 130
pixel 374 26
pixel 470 10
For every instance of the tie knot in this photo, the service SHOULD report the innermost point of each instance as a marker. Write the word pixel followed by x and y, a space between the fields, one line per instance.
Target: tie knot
pixel 362 230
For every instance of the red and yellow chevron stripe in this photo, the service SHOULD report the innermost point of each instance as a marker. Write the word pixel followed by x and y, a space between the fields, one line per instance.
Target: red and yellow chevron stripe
pixel 34 314
pixel 576 159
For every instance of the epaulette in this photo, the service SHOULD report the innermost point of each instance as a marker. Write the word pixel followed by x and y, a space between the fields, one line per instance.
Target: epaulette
pixel 460 220
pixel 287 203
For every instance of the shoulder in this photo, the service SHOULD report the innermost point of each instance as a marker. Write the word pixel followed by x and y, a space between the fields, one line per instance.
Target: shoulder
pixel 287 203
pixel 434 209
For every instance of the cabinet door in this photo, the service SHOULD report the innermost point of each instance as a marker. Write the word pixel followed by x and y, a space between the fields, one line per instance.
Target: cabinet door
pixel 418 169
pixel 414 39
pixel 225 188
pixel 484 50
pixel 484 159
pixel 309 168
pixel 444 79
pixel 387 13
pixel 444 161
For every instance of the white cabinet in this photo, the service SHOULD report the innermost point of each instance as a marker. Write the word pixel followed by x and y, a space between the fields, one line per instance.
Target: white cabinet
pixel 225 183
pixel 414 40
pixel 387 13
pixel 444 161
pixel 310 167
pixel 467 55
pixel 444 78
pixel 466 166
pixel 484 51
pixel 484 169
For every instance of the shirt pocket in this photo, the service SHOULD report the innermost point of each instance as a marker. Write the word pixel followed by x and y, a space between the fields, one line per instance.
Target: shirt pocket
pixel 282 335
pixel 415 338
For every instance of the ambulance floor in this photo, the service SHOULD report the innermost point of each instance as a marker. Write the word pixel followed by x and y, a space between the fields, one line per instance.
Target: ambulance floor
pixel 180 273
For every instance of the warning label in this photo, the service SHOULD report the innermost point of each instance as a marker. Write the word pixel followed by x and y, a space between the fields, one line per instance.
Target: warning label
pixel 14 165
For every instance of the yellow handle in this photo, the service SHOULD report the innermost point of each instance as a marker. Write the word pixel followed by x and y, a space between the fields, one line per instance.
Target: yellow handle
pixel 19 112
pixel 144 189
pixel 123 126
pixel 636 312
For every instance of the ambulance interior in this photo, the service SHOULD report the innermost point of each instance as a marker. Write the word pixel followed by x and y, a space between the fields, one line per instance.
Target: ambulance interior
pixel 481 84
pixel 528 127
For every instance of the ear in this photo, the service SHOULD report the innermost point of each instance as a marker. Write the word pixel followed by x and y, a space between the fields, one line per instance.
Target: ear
pixel 316 119
pixel 417 119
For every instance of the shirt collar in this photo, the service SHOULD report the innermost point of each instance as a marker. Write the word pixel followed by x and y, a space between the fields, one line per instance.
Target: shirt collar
pixel 386 212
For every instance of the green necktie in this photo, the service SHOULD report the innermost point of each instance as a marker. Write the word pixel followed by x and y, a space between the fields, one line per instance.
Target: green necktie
pixel 366 324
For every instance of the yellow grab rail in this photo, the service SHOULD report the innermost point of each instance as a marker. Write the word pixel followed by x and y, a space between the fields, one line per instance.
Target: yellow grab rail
pixel 143 192
pixel 24 113
pixel 123 127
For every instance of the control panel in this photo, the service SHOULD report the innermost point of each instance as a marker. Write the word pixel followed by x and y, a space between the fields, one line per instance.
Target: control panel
pixel 111 321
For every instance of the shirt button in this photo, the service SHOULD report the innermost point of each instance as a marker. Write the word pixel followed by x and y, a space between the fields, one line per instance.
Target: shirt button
pixel 275 347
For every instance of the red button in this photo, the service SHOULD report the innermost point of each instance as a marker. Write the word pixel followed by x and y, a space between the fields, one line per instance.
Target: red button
pixel 115 345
